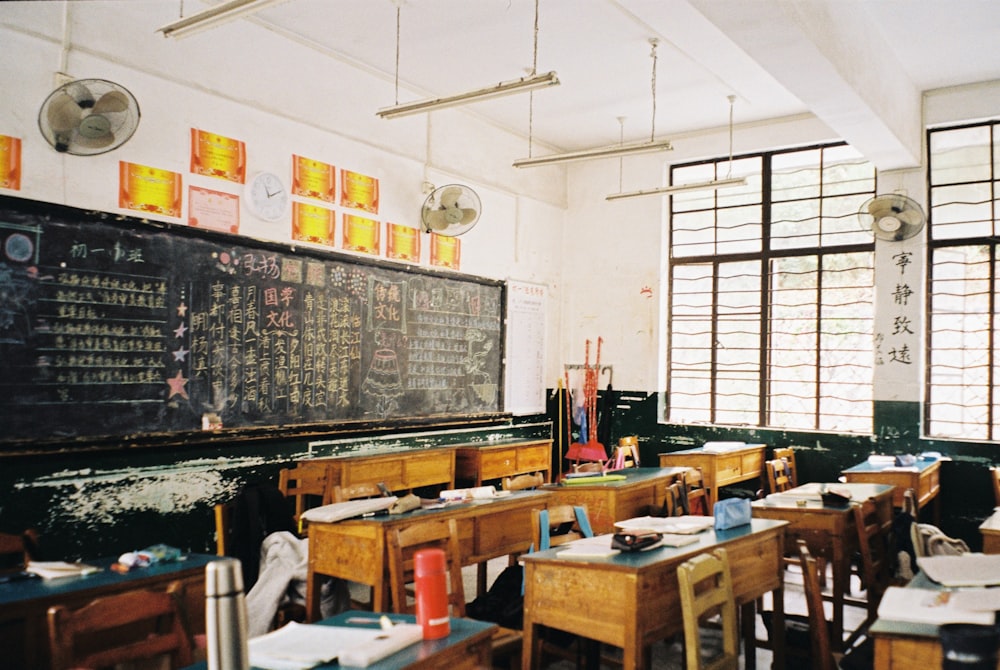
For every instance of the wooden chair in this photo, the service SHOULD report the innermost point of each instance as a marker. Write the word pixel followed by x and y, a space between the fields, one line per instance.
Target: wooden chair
pixel 787 454
pixel 131 626
pixel 821 655
pixel 306 485
pixel 706 590
pixel 522 482
pixel 403 543
pixel 995 479
pixel 699 502
pixel 874 530
pixel 778 475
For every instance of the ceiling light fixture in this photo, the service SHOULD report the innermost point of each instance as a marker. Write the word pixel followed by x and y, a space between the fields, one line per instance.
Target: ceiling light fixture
pixel 503 88
pixel 711 185
pixel 214 16
pixel 612 151
pixel 529 83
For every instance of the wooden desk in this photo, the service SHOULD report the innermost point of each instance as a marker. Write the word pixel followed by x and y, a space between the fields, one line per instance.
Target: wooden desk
pixel 488 461
pixel 608 502
pixel 23 604
pixel 924 478
pixel 632 600
pixel 990 530
pixel 401 471
pixel 903 645
pixel 468 647
pixel 720 468
pixel 356 549
pixel 829 531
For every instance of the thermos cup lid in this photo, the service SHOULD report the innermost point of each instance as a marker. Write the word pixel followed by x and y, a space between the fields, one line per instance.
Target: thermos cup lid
pixel 428 561
pixel 223 578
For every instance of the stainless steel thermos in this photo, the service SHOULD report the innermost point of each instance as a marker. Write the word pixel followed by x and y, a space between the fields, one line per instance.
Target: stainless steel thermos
pixel 226 616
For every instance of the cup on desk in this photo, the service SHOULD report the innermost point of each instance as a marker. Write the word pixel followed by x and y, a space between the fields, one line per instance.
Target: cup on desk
pixel 969 646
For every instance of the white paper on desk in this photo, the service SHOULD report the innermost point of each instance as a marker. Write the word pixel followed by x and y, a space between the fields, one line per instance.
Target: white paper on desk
pixel 300 646
pixel 970 569
pixel 348 510
pixel 929 606
pixel 598 546
pixel 59 569
pixel 678 525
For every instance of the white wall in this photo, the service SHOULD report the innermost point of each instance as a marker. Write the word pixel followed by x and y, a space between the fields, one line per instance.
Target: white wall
pixel 544 225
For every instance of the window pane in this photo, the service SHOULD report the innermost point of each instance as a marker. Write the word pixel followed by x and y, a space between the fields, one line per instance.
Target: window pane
pixel 960 155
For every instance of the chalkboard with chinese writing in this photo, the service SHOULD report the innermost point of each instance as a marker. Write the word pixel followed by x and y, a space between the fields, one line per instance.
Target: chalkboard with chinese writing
pixel 110 326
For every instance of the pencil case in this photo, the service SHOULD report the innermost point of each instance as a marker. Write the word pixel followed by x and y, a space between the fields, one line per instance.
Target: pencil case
pixel 731 513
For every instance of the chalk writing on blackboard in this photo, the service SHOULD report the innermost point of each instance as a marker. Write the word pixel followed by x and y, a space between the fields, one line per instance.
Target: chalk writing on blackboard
pixel 111 326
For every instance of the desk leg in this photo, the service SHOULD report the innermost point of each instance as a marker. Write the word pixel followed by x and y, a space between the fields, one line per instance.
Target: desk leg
pixel 530 656
pixel 841 575
pixel 312 596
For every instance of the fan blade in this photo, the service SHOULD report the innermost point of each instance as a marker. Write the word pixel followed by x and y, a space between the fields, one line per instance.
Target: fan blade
pixel 449 196
pixel 468 216
pixel 912 218
pixel 63 114
pixel 96 142
pixel 113 101
pixel 436 219
pixel 880 207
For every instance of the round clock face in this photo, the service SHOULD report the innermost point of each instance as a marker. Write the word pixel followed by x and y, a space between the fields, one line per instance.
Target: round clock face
pixel 268 196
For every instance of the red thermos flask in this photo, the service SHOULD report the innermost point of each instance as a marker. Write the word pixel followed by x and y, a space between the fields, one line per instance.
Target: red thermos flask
pixel 432 592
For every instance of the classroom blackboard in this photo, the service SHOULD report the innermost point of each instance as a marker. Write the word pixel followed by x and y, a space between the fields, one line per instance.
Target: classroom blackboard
pixel 113 326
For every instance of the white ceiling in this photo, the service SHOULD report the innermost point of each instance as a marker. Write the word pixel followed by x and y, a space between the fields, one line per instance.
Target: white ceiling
pixel 857 65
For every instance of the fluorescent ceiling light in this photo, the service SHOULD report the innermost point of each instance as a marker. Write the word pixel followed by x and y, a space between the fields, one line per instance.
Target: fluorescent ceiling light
pixel 602 152
pixel 214 16
pixel 681 188
pixel 501 89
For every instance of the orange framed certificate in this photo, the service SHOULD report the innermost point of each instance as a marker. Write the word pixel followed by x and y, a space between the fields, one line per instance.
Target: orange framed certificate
pixel 446 252
pixel 10 162
pixel 361 234
pixel 313 179
pixel 402 242
pixel 358 191
pixel 148 189
pixel 218 156
pixel 312 223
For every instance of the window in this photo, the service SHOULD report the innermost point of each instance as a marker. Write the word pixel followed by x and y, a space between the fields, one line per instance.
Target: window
pixel 770 301
pixel 963 168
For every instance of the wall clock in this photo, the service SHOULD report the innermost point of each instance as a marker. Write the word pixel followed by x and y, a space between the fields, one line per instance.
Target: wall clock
pixel 267 196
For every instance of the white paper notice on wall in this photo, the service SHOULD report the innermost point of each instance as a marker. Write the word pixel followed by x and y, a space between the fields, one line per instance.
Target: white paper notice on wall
pixel 524 388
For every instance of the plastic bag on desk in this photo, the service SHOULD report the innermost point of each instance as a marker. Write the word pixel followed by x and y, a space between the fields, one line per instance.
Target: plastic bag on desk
pixel 731 513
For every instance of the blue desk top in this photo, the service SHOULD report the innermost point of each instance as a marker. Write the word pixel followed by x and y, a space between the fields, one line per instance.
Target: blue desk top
pixel 918 466
pixel 707 540
pixel 46 589
pixel 461 630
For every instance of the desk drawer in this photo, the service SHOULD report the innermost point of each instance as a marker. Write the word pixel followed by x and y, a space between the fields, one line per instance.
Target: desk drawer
pixel 497 463
pixel 728 469
pixel 752 464
pixel 430 468
pixel 372 471
pixel 532 458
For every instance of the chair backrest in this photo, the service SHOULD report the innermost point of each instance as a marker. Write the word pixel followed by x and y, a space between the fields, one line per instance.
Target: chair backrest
pixel 822 657
pixel 305 484
pixel 224 528
pixel 787 454
pixel 706 589
pixel 677 501
pixel 699 502
pixel 777 475
pixel 403 543
pixel 522 482
pixel 874 528
pixel 995 478
pixel 559 524
pixel 130 626
pixel 16 550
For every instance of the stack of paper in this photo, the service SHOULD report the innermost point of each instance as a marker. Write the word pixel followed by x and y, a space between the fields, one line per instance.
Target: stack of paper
pixel 58 569
pixel 348 510
pixel 676 525
pixel 720 447
pixel 962 570
pixel 300 646
pixel 939 607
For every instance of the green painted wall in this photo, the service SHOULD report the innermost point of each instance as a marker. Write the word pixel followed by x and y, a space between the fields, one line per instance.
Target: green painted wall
pixel 91 504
